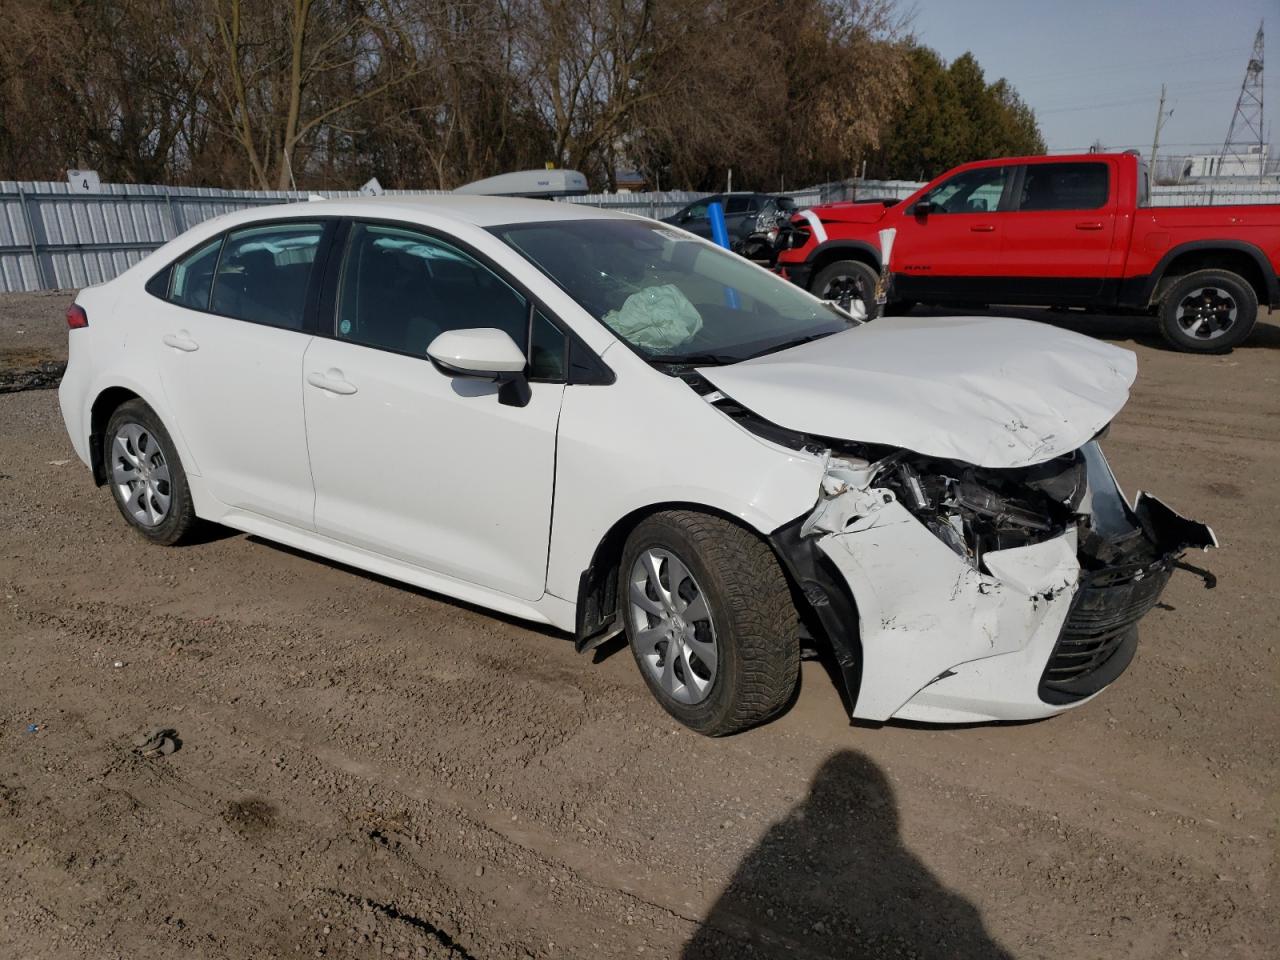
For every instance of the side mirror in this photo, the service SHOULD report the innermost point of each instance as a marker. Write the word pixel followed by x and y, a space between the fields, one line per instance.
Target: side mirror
pixel 485 353
pixel 923 208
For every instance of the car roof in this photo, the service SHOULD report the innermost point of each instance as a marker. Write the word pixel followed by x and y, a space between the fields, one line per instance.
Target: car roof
pixel 474 210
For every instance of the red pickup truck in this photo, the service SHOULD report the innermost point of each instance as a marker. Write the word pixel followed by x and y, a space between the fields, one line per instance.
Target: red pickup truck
pixel 1061 231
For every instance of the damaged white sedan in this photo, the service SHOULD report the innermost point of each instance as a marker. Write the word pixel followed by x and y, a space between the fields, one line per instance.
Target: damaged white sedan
pixel 602 423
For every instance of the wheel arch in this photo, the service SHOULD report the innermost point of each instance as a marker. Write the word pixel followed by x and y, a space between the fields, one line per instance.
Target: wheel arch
pixel 104 405
pixel 107 398
pixel 833 250
pixel 822 597
pixel 598 583
pixel 1236 256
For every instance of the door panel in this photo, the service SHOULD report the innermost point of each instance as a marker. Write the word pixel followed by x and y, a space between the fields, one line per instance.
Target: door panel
pixel 952 251
pixel 234 386
pixel 1061 234
pixel 235 390
pixel 411 462
pixel 432 469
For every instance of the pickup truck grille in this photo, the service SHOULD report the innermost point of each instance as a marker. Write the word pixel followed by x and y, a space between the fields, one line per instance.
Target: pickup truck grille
pixel 1100 634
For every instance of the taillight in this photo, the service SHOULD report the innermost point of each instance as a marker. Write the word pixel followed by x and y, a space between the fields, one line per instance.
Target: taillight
pixel 76 317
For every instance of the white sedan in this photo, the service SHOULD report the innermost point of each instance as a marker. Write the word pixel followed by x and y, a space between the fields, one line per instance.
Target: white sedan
pixel 603 423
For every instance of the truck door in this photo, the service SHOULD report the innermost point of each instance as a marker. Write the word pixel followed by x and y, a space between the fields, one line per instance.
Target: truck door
pixel 949 239
pixel 1059 237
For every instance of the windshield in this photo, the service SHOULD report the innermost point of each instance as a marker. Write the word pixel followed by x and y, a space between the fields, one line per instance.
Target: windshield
pixel 673 298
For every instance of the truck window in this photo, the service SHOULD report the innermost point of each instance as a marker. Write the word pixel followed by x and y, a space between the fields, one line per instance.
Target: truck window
pixel 1064 186
pixel 973 191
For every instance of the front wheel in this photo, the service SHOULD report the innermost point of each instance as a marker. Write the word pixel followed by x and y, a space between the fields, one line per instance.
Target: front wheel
pixel 1209 311
pixel 710 620
pixel 847 280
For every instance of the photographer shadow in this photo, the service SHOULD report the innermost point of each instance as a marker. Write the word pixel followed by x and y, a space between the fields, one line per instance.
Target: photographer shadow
pixel 833 879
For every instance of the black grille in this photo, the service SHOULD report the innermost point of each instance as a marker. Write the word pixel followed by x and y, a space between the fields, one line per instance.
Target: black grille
pixel 1100 634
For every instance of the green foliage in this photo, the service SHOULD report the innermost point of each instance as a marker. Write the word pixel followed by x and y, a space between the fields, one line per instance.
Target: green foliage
pixel 953 116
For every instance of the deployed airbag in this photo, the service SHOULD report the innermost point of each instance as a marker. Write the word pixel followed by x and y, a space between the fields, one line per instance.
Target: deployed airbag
pixel 656 318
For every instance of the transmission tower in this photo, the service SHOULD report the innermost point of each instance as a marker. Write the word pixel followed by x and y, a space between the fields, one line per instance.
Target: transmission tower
pixel 1244 143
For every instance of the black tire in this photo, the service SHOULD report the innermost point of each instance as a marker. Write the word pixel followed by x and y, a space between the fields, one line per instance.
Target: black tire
pixel 834 278
pixel 751 609
pixel 1216 332
pixel 154 446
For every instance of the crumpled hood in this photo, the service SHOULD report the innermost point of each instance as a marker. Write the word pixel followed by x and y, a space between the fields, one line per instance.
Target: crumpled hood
pixel 850 212
pixel 990 391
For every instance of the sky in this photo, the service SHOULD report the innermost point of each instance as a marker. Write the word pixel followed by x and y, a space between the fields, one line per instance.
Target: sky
pixel 1092 70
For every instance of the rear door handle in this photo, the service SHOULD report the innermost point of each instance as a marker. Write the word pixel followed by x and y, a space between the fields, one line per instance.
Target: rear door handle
pixel 1089 225
pixel 983 228
pixel 332 381
pixel 180 341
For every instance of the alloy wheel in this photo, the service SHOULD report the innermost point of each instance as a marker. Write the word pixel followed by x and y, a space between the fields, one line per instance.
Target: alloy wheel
pixel 840 289
pixel 140 474
pixel 1207 313
pixel 674 637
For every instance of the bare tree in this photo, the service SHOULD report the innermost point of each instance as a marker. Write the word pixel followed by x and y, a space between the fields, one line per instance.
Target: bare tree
pixel 282 71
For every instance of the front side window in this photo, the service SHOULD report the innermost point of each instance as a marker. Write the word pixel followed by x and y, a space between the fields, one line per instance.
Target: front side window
pixel 264 272
pixel 193 277
pixel 973 191
pixel 1064 186
pixel 400 289
pixel 672 298
pixel 698 211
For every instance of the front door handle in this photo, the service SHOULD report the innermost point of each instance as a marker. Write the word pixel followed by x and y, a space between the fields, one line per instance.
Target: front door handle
pixel 332 381
pixel 180 341
pixel 1089 225
pixel 983 228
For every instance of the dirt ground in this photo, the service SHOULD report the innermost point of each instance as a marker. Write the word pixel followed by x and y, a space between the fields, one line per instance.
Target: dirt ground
pixel 371 770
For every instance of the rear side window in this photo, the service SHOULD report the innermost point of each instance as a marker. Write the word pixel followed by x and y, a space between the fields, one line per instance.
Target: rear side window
pixel 264 272
pixel 1064 186
pixel 400 289
pixel 192 278
pixel 741 205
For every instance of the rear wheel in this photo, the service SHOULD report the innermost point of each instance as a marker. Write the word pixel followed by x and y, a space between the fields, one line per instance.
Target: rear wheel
pixel 710 620
pixel 145 475
pixel 847 279
pixel 1209 311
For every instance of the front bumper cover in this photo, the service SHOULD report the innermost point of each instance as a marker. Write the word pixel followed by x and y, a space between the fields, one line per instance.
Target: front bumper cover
pixel 921 634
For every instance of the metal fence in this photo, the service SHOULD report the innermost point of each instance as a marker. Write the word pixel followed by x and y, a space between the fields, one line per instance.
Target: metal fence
pixel 52 238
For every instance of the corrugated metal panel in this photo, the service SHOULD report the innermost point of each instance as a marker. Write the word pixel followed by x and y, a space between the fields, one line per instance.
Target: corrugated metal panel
pixel 51 237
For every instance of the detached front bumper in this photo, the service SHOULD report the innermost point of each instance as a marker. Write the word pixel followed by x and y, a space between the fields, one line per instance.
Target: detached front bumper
pixel 941 641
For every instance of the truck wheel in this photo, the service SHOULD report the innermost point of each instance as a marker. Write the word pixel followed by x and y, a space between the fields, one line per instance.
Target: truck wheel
pixel 847 278
pixel 710 620
pixel 1209 311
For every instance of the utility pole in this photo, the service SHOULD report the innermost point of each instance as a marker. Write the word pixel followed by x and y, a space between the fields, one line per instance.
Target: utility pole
pixel 1161 117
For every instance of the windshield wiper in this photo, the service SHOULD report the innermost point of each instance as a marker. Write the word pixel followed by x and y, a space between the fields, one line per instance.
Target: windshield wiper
pixel 693 359
pixel 787 345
